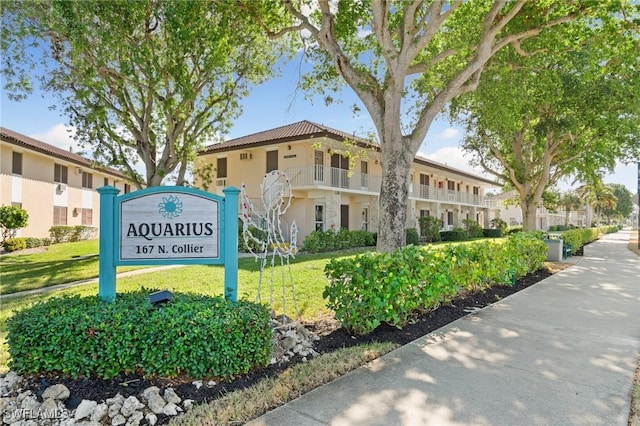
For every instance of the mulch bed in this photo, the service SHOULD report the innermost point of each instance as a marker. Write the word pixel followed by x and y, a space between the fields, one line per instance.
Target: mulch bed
pixel 331 338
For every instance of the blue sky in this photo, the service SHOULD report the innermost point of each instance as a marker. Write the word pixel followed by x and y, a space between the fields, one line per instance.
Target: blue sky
pixel 272 104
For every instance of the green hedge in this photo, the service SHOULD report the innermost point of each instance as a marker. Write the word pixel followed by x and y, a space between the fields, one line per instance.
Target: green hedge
pixel 369 289
pixel 193 335
pixel 15 244
pixel 492 233
pixel 581 236
pixel 457 234
pixel 64 233
pixel 323 241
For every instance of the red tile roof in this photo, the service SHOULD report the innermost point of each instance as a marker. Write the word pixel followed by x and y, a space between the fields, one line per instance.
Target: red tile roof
pixel 24 141
pixel 309 130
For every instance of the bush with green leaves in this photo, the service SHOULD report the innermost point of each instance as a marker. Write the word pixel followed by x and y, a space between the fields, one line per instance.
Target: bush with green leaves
pixel 323 241
pixel 64 233
pixel 255 240
pixel 15 244
pixel 498 223
pixel 492 233
pixel 12 218
pixel 412 236
pixel 456 234
pixel 366 290
pixel 193 335
pixel 473 228
pixel 430 228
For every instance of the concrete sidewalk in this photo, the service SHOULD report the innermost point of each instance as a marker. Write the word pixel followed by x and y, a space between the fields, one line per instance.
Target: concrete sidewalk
pixel 562 352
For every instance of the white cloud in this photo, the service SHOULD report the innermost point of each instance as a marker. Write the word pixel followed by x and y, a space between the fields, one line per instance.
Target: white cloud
pixel 452 156
pixel 450 133
pixel 60 136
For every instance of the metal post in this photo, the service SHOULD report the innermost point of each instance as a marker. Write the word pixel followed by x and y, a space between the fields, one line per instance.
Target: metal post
pixel 107 268
pixel 231 243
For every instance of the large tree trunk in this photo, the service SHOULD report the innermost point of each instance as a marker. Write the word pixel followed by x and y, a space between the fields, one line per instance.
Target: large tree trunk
pixel 566 217
pixel 394 195
pixel 529 216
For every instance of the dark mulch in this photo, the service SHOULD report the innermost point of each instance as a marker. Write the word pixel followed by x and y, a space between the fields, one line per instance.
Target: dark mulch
pixel 332 338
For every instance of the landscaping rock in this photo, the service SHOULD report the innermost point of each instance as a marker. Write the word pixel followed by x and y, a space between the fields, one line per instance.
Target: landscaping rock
pixel 99 412
pixel 171 396
pixel 85 409
pixel 130 406
pixel 151 418
pixel 118 420
pixel 59 392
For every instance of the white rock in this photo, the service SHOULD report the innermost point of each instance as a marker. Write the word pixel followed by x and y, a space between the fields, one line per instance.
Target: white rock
pixel 5 404
pixel 197 383
pixel 85 409
pixel 211 384
pixel 13 416
pixel 187 404
pixel 171 409
pixel 58 391
pixel 116 399
pixel 99 412
pixel 155 402
pixel 288 343
pixel 130 406
pixel 135 419
pixel 151 418
pixel 10 382
pixel 118 420
pixel 171 396
pixel 114 409
pixel 50 409
pixel 22 395
pixel 68 422
pixel 150 391
pixel 88 423
pixel 30 406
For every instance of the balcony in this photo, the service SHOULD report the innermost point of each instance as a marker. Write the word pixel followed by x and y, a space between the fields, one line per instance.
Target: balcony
pixel 314 176
pixel 318 176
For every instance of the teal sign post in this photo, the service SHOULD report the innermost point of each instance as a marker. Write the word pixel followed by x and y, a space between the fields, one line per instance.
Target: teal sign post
pixel 168 225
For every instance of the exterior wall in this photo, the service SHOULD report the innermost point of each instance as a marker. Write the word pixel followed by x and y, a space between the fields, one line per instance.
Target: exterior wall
pixel 332 187
pixel 36 190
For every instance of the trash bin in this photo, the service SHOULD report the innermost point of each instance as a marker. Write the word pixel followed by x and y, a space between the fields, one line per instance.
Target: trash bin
pixel 554 250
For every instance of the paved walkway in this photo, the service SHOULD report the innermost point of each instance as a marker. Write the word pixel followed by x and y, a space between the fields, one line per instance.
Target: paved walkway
pixel 562 352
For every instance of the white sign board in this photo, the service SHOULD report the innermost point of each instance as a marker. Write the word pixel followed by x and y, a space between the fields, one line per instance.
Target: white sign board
pixel 169 225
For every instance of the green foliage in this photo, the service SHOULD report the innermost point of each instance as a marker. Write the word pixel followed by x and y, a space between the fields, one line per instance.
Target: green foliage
pixel 65 234
pixel 15 244
pixel 492 233
pixel 323 241
pixel 412 236
pixel 430 228
pixel 498 223
pixel 193 335
pixel 256 239
pixel 473 228
pixel 366 290
pixel 12 218
pixel 579 237
pixel 456 234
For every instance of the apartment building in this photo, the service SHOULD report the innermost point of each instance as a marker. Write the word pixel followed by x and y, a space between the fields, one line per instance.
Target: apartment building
pixel 335 179
pixel 54 186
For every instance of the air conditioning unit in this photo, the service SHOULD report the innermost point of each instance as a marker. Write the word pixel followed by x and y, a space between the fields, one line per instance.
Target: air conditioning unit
pixel 221 182
pixel 246 156
pixel 61 187
pixel 78 170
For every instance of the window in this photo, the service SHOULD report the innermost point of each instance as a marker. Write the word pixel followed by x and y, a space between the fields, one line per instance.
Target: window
pixel 319 217
pixel 318 160
pixel 449 218
pixel 476 190
pixel 60 173
pixel 87 217
pixel 59 215
pixel 451 185
pixel 424 213
pixel 344 216
pixel 87 180
pixel 18 205
pixel 221 168
pixel 127 188
pixel 16 163
pixel 364 176
pixel 106 181
pixel 272 161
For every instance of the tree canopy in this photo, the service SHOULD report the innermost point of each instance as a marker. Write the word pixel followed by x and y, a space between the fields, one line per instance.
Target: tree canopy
pixel 569 107
pixel 148 81
pixel 406 60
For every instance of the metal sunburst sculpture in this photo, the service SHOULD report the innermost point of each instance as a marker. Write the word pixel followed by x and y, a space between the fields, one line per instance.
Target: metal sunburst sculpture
pixel 275 200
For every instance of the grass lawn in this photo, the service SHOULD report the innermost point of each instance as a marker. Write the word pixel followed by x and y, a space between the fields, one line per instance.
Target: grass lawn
pixel 56 264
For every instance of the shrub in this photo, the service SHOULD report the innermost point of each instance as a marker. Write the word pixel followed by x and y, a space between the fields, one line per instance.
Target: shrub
pixel 473 228
pixel 457 234
pixel 33 242
pixel 15 244
pixel 412 236
pixel 366 290
pixel 193 335
pixel 430 228
pixel 323 241
pixel 255 239
pixel 514 230
pixel 498 223
pixel 64 233
pixel 12 218
pixel 492 233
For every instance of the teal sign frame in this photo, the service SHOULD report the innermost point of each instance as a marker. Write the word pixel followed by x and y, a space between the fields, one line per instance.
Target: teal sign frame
pixel 167 225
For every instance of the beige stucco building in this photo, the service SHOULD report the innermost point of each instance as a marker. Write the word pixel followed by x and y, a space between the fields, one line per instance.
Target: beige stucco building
pixel 54 186
pixel 335 179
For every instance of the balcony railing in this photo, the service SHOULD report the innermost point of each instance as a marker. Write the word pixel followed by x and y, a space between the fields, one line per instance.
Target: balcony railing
pixel 339 178
pixel 334 177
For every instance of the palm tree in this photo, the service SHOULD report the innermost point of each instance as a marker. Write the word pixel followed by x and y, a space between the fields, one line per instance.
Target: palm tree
pixel 599 196
pixel 571 201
